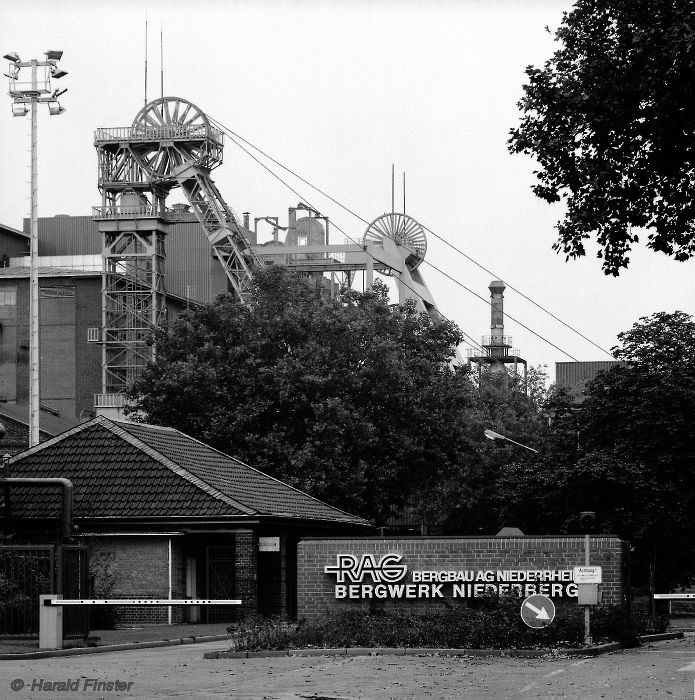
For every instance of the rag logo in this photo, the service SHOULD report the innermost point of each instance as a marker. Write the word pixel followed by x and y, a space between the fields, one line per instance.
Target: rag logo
pixel 348 566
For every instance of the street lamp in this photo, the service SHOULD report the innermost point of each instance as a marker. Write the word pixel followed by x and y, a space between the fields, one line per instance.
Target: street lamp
pixel 492 435
pixel 36 89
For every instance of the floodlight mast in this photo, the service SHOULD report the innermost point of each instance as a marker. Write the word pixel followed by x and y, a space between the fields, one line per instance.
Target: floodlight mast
pixel 36 90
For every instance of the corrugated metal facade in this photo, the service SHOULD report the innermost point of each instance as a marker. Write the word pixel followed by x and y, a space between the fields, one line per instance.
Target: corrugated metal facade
pixel 190 269
pixel 67 235
pixel 575 375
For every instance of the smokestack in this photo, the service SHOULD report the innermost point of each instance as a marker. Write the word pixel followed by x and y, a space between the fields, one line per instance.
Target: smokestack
pixel 497 288
pixel 247 214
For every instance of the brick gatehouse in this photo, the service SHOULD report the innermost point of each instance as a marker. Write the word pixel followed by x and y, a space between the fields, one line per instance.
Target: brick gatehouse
pixel 173 518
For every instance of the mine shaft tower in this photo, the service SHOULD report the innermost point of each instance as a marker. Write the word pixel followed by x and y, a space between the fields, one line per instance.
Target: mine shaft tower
pixel 170 144
pixel 173 144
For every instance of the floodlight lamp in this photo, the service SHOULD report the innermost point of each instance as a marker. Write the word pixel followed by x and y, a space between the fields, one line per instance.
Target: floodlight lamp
pixel 58 93
pixel 19 110
pixel 53 55
pixel 13 57
pixel 55 108
pixel 58 72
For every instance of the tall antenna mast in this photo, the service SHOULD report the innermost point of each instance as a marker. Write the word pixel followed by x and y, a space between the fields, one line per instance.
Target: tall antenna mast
pixel 404 192
pixel 161 59
pixel 145 57
pixel 393 187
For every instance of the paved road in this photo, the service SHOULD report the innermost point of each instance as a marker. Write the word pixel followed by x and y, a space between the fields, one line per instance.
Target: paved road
pixel 661 670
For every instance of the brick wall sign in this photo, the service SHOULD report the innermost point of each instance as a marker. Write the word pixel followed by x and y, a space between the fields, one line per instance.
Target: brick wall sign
pixel 437 572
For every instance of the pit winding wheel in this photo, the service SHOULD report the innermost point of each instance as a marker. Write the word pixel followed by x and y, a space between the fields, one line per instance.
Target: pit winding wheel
pixel 171 132
pixel 404 231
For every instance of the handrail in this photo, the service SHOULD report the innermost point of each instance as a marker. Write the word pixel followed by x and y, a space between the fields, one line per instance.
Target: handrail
pixel 157 133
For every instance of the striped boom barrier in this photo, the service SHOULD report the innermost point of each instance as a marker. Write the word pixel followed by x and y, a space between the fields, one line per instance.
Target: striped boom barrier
pixel 51 617
pixel 139 601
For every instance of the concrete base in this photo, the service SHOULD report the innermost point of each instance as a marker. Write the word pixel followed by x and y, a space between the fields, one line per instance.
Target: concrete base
pixel 50 623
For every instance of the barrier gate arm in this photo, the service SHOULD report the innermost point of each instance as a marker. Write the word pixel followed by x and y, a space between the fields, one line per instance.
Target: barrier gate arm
pixel 51 612
pixel 674 596
pixel 138 601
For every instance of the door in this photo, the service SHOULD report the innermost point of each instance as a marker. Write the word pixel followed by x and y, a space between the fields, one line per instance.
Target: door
pixel 220 582
pixel 269 584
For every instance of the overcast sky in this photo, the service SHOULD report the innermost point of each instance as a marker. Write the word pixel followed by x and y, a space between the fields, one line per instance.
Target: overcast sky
pixel 338 91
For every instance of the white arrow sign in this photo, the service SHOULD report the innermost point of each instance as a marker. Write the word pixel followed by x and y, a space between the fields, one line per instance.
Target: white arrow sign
pixel 541 613
pixel 537 611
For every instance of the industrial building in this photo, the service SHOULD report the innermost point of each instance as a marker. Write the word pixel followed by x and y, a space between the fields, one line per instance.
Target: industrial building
pixel 70 293
pixel 108 279
pixel 191 271
pixel 574 376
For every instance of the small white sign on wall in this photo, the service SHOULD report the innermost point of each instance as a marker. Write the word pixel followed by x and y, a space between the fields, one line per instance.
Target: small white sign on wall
pixel 587 574
pixel 268 544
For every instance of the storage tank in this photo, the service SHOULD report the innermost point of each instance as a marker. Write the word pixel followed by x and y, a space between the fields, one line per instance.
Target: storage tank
pixel 307 230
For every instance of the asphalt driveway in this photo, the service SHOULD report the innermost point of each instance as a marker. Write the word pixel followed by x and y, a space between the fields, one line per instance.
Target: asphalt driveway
pixel 659 670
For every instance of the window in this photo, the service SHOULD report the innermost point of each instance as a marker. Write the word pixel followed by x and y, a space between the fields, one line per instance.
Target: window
pixel 8 303
pixel 8 297
pixel 302 239
pixel 93 335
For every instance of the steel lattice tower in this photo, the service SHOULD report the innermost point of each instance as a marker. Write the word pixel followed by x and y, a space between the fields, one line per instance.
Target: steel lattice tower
pixel 171 143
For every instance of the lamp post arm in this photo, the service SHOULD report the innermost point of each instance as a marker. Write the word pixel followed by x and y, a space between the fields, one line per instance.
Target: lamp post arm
pixel 526 447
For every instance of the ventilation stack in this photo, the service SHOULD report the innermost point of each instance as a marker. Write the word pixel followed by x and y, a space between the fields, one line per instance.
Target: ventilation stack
pixel 496 344
pixel 497 347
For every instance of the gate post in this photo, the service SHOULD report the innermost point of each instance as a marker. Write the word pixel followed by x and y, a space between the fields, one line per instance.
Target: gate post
pixel 50 623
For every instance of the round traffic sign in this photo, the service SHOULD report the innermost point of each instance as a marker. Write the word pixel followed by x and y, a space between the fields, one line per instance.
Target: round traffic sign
pixel 538 611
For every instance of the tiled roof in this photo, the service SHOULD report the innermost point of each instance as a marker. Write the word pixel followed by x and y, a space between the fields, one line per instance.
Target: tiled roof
pixel 256 490
pixel 127 470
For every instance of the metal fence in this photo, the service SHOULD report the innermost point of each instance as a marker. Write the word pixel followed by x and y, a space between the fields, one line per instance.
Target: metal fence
pixel 27 571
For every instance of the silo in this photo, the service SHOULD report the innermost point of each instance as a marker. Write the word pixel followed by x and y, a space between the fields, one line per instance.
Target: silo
pixel 307 230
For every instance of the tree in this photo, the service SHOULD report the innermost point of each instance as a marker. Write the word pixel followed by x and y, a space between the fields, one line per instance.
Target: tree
pixel 350 399
pixel 643 412
pixel 512 405
pixel 646 407
pixel 609 119
pixel 626 453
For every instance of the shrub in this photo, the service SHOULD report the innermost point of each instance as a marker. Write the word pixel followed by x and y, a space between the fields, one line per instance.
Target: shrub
pixel 493 624
pixel 256 632
pixel 101 584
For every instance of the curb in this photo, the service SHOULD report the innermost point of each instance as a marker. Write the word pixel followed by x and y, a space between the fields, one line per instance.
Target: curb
pixel 356 651
pixel 646 638
pixel 48 653
pixel 415 651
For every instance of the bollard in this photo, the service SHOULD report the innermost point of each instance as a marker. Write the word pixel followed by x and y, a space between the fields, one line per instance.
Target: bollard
pixel 50 623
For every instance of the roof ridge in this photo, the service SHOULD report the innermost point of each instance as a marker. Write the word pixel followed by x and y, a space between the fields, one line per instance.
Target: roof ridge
pixel 145 425
pixel 58 438
pixel 269 476
pixel 116 429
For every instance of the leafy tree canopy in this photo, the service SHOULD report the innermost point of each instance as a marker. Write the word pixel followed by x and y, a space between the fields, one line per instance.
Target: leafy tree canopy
pixel 627 453
pixel 609 119
pixel 350 399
